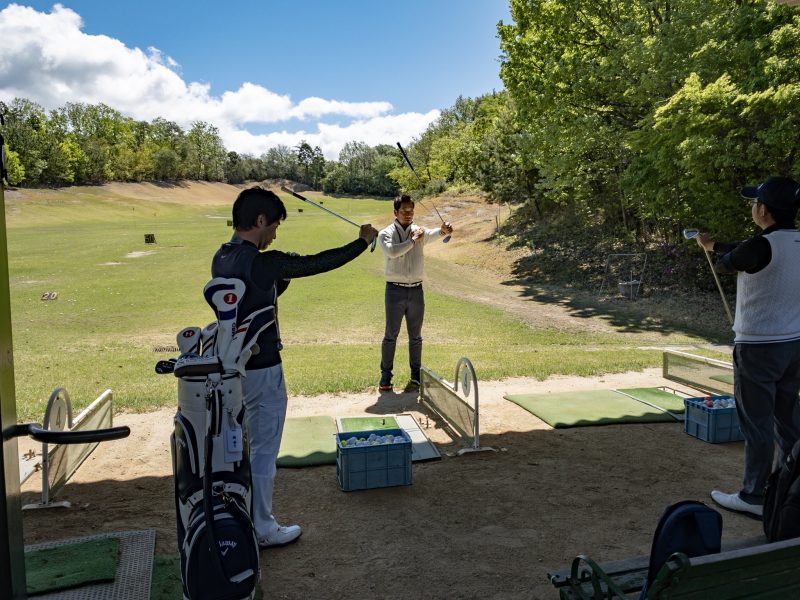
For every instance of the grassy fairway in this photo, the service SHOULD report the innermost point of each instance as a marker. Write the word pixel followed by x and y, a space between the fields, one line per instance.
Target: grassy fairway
pixel 115 308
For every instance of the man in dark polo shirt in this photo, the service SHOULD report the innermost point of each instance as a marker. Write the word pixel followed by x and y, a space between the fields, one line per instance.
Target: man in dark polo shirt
pixel 257 214
pixel 766 354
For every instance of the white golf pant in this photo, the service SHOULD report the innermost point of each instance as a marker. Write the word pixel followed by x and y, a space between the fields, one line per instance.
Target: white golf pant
pixel 265 402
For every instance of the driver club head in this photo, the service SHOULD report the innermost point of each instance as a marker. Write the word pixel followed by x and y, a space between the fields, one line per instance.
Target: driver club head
pixel 689 234
pixel 446 238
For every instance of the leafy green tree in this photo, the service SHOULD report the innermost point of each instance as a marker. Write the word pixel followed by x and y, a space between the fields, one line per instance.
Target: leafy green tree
pixel 358 159
pixel 25 133
pixel 206 153
pixel 15 170
pixel 317 170
pixel 280 162
pixel 305 158
pixel 235 168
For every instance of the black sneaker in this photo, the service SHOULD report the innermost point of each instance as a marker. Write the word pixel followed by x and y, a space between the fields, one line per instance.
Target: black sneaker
pixel 412 386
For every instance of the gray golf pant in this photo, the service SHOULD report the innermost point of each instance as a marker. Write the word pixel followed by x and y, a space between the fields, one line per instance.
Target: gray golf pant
pixel 766 383
pixel 408 302
pixel 265 403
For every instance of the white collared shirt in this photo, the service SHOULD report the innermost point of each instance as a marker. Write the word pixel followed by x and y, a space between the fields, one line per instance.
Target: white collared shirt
pixel 404 259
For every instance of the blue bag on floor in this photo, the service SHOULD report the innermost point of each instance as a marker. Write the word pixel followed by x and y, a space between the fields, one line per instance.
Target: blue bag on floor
pixel 689 527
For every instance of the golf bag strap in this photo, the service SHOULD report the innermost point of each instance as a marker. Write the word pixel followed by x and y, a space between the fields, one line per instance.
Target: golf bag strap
pixel 213 396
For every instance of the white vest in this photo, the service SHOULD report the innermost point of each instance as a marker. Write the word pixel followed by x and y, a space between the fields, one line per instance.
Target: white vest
pixel 768 302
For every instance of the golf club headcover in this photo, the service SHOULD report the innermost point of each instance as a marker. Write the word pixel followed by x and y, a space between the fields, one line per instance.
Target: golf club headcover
pixel 188 340
pixel 224 295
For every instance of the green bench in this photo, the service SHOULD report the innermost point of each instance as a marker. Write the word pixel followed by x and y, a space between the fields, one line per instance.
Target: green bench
pixel 750 569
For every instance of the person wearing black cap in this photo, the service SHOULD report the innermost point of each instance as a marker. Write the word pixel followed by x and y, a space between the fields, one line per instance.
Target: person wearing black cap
pixel 766 353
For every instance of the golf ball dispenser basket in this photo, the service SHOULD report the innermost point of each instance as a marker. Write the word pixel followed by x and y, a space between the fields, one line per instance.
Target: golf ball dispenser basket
pixel 712 419
pixel 376 464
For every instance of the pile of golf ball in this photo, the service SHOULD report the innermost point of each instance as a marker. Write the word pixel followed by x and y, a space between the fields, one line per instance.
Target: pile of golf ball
pixel 719 402
pixel 372 440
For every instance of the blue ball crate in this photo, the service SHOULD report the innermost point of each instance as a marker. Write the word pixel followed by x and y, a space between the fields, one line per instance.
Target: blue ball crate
pixel 713 425
pixel 367 467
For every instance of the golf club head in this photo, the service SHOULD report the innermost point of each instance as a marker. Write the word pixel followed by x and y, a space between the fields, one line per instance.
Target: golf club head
pixel 689 234
pixel 165 366
pixel 446 238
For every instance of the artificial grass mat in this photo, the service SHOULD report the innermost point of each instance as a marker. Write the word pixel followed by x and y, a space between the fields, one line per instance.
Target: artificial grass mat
pixel 71 565
pixel 308 441
pixel 600 407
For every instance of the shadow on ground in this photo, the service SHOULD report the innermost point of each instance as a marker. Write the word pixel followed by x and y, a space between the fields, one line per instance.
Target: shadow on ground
pixel 697 313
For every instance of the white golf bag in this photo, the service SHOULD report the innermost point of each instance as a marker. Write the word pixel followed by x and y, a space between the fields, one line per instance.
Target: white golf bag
pixel 210 458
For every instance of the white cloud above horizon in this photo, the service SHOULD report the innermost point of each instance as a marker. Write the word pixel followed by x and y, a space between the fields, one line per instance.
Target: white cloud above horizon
pixel 48 59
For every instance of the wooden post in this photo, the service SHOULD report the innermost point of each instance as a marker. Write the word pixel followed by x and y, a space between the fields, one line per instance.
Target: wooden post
pixel 12 558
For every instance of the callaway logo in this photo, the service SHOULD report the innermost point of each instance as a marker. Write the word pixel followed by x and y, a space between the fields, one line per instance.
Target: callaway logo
pixel 230 298
pixel 226 545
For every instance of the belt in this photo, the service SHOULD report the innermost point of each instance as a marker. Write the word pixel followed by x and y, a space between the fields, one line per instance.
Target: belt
pixel 406 285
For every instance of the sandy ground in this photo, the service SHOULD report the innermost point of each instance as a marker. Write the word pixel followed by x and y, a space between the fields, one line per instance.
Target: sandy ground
pixel 479 525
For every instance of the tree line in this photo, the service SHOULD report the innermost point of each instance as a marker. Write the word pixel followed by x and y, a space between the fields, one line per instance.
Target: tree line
pixel 85 144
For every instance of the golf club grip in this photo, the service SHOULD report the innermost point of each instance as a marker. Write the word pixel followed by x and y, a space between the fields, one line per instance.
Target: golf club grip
pixel 293 193
pixel 372 245
pixel 76 437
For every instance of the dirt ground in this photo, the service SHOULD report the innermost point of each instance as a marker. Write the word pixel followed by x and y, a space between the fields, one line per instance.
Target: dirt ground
pixel 483 525
pixel 479 525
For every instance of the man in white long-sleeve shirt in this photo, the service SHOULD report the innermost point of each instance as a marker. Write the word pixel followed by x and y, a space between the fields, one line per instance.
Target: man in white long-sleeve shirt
pixel 402 243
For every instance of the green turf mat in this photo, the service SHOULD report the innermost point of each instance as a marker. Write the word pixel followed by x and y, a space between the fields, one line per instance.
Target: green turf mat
pixel 723 378
pixel 166 584
pixel 662 398
pixel 308 441
pixel 71 565
pixel 589 407
pixel 368 423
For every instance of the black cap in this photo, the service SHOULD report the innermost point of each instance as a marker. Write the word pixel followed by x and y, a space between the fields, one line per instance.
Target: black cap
pixel 777 192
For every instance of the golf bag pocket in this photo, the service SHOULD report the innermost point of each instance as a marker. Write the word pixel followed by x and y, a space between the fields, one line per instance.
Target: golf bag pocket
pixel 231 573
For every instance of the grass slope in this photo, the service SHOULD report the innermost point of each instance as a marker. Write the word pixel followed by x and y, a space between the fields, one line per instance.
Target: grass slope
pixel 120 300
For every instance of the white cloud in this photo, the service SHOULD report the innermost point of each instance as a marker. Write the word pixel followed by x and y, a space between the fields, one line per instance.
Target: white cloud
pixel 46 58
pixel 331 138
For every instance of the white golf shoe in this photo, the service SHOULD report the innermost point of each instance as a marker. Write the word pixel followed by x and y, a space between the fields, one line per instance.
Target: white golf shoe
pixel 734 502
pixel 281 537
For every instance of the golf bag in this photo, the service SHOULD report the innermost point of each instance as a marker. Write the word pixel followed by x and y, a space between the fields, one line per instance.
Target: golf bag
pixel 782 499
pixel 210 458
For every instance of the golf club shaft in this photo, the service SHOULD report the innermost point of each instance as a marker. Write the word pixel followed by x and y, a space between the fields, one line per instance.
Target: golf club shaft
pixel 410 166
pixel 719 286
pixel 299 197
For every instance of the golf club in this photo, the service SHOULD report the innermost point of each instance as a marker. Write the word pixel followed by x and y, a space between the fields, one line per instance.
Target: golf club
pixel 304 199
pixel 166 366
pixel 690 234
pixel 410 166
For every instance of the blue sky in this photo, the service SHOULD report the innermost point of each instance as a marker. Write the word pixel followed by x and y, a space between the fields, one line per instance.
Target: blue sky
pixel 263 72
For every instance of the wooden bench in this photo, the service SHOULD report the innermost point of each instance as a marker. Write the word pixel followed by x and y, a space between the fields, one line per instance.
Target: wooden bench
pixel 748 568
